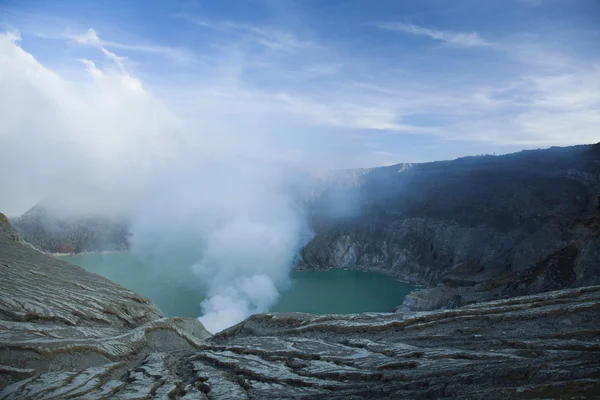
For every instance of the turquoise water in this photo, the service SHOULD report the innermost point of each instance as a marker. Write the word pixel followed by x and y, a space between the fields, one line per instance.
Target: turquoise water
pixel 177 292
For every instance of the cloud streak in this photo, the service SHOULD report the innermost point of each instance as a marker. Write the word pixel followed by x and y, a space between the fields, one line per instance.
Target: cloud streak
pixel 468 39
pixel 275 39
pixel 90 37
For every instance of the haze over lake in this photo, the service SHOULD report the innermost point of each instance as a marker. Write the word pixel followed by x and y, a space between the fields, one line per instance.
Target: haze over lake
pixel 180 294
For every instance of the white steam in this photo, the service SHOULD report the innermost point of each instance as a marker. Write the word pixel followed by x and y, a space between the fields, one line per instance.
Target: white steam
pixel 240 223
pixel 88 144
pixel 246 261
pixel 234 302
pixel 211 189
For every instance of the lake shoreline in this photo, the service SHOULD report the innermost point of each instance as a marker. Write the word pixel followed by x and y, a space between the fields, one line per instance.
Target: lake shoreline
pixel 87 253
pixel 383 271
pixel 415 286
pixel 176 291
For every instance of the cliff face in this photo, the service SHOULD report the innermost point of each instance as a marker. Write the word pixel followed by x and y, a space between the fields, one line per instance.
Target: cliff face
pixel 66 333
pixel 49 231
pixel 472 229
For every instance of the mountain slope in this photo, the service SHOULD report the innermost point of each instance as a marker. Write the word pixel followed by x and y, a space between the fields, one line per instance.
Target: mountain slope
pixel 55 233
pixel 475 228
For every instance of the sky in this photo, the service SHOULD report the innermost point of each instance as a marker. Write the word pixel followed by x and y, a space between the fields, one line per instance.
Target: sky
pixel 98 93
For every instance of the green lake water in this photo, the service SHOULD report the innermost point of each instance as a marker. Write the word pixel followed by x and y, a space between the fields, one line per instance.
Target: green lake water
pixel 178 293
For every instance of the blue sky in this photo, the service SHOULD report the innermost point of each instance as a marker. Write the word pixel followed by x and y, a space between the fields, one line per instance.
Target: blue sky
pixel 420 80
pixel 331 83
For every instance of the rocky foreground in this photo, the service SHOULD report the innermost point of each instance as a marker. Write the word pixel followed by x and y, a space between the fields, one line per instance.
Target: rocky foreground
pixel 66 333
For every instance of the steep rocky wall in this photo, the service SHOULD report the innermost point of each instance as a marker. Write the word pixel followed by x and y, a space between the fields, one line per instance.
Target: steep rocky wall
pixel 55 232
pixel 473 229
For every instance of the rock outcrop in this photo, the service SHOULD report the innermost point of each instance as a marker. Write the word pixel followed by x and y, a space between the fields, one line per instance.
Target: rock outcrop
pixel 66 333
pixel 56 232
pixel 470 230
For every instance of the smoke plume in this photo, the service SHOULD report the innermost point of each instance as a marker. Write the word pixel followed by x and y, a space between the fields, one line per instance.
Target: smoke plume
pixel 216 190
pixel 239 225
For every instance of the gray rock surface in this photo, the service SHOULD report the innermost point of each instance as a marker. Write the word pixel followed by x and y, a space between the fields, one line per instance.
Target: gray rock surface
pixel 66 333
pixel 470 230
pixel 56 318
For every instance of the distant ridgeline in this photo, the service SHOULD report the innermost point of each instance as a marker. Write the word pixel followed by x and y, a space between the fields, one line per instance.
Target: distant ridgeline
pixel 472 229
pixel 85 233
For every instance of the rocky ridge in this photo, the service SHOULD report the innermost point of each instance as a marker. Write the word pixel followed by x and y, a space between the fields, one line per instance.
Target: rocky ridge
pixel 66 333
pixel 469 230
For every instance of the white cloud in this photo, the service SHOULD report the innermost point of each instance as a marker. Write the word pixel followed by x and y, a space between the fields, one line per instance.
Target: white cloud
pixel 310 118
pixel 59 134
pixel 469 39
pixel 90 37
pixel 108 145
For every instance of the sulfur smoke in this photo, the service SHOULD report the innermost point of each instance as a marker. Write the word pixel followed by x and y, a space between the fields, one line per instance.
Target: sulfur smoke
pixel 240 225
pixel 207 182
pixel 248 254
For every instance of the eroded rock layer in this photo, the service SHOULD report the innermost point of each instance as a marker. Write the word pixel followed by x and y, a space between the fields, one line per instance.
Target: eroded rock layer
pixel 66 333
